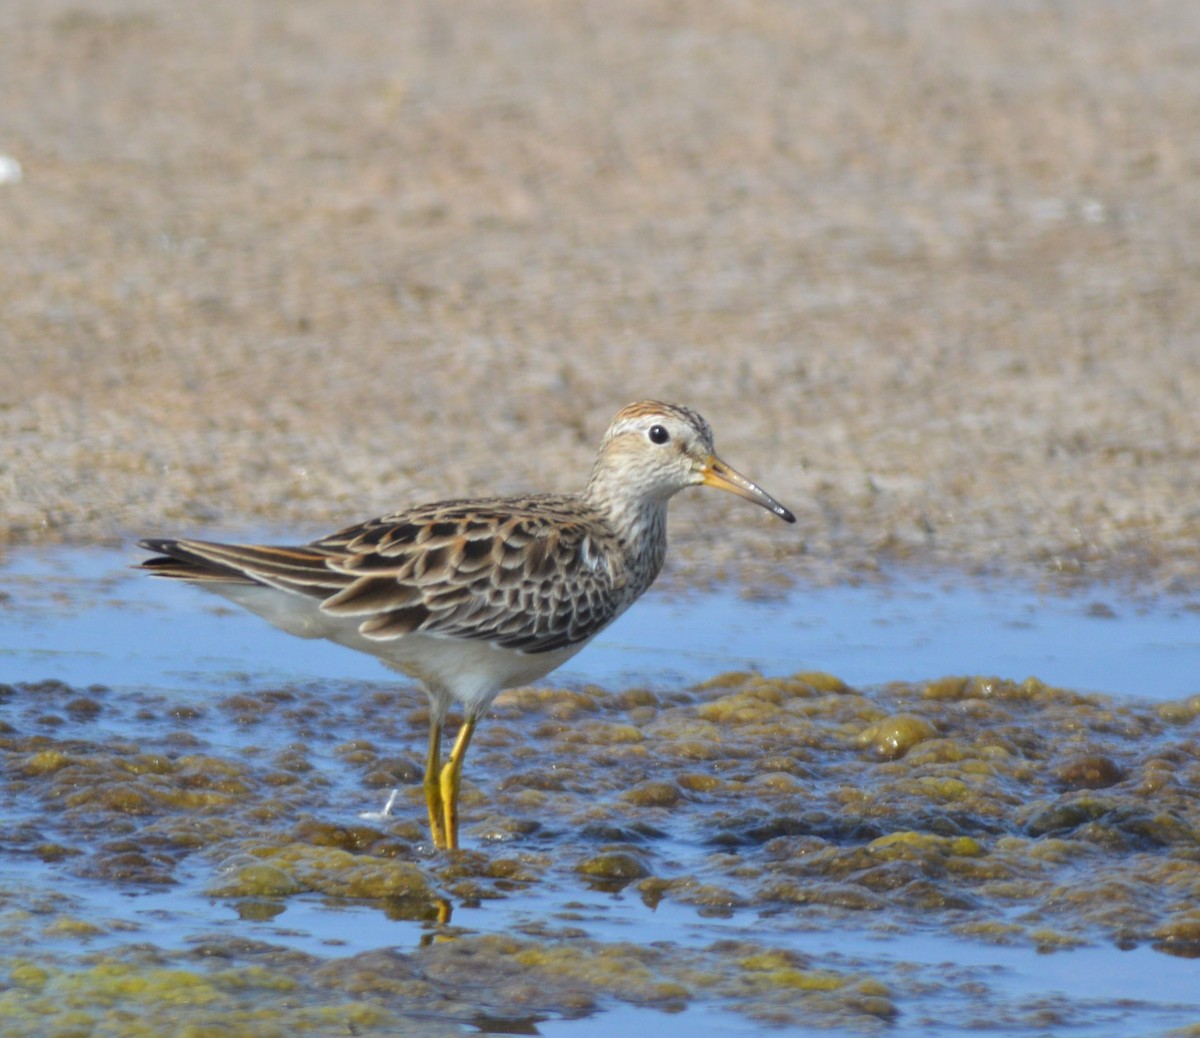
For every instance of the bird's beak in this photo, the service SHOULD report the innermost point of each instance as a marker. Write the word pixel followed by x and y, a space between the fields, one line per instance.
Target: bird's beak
pixel 717 474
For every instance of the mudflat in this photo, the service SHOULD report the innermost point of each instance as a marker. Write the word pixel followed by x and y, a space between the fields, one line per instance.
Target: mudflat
pixel 931 270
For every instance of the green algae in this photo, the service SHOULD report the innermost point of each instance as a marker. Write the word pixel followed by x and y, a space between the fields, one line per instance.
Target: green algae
pixel 653 793
pixel 892 737
pixel 999 811
pixel 615 867
pixel 119 996
pixel 297 868
pixel 777 969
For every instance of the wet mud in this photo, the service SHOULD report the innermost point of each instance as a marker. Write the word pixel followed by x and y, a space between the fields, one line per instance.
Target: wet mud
pixel 929 270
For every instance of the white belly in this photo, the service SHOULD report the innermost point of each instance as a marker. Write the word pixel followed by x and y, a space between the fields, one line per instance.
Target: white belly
pixel 469 671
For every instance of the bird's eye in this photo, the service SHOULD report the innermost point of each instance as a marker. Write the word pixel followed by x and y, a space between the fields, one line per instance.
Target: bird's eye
pixel 658 434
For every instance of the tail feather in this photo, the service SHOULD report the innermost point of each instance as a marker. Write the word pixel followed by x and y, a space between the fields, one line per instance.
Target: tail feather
pixel 300 570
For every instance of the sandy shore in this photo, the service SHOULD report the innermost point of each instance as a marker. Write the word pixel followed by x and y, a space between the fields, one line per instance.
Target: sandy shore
pixel 931 270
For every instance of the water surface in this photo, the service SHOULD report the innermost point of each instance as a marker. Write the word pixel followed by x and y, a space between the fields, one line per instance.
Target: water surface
pixel 180 677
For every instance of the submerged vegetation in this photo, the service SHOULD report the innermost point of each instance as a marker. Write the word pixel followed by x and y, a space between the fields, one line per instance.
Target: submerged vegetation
pixel 995 811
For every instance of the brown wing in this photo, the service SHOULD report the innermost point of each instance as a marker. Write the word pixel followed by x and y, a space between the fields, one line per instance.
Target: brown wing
pixel 533 574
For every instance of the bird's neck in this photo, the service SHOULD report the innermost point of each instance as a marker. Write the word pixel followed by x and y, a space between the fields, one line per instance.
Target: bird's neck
pixel 640 525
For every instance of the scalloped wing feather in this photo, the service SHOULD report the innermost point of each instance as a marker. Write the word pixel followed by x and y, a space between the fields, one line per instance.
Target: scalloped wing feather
pixel 480 571
pixel 534 578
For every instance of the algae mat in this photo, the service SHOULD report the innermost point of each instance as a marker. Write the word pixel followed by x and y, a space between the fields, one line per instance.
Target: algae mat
pixel 779 850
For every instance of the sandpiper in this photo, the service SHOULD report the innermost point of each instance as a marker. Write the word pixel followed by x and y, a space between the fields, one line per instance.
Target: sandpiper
pixel 470 597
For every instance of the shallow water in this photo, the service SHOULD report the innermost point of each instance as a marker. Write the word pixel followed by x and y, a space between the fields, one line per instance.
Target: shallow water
pixel 732 943
pixel 81 616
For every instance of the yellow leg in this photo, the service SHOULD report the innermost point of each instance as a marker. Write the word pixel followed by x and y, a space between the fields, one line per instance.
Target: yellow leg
pixel 444 910
pixel 433 787
pixel 451 780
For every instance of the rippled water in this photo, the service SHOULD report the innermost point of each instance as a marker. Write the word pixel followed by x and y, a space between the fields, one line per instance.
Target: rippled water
pixel 82 618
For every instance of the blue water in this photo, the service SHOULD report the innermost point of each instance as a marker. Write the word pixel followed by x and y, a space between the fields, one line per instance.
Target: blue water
pixel 81 616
